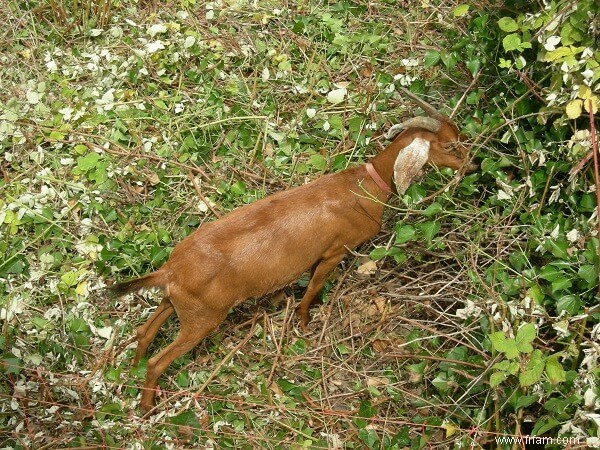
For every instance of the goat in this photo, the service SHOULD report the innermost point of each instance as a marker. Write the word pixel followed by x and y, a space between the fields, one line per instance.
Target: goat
pixel 266 245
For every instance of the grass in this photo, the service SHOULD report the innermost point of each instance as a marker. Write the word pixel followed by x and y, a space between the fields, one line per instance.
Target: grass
pixel 123 129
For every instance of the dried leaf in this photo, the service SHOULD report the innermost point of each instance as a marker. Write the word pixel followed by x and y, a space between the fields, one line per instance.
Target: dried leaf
pixel 380 303
pixel 368 268
pixel 380 345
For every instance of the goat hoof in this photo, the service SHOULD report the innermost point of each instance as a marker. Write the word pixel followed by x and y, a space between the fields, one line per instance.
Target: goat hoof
pixel 304 320
pixel 304 317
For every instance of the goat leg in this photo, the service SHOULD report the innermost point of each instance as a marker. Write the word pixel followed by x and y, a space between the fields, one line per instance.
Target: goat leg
pixel 147 332
pixel 315 284
pixel 195 326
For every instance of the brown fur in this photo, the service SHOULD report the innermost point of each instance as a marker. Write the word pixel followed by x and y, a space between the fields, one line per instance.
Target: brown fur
pixel 266 245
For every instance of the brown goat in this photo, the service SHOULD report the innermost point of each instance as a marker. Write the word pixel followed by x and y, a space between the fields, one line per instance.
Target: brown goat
pixel 266 245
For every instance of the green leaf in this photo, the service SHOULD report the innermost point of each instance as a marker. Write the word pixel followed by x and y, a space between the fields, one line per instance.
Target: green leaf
pixel 559 248
pixel 513 367
pixel 504 345
pixel 432 57
pixel 570 303
pixel 343 349
pixel 285 385
pixel 511 42
pixel 56 136
pixel 187 417
pixel 405 233
pixel 588 273
pixel 544 424
pixel 559 54
pixel 473 66
pixel 432 209
pixel 461 10
pixel 88 162
pixel 497 377
pixel 318 162
pixel 525 400
pixel 536 294
pixel 534 370
pixel 429 229
pixel 369 437
pixel 398 254
pixel 508 25
pixel 554 371
pixel 336 122
pixel 78 325
pixel 525 337
pixel 441 382
pixel 70 278
pixel 356 123
pixel 561 283
pixel 10 364
pixel 378 253
pixel 550 273
pixel 502 365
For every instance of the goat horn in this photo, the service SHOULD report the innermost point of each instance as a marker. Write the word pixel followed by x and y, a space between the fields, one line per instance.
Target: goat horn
pixel 428 123
pixel 424 105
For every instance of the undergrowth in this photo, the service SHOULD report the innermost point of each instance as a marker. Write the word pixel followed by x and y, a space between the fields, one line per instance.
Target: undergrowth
pixel 473 317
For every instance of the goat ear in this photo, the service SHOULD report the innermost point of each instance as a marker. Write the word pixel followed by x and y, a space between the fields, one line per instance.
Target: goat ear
pixel 409 163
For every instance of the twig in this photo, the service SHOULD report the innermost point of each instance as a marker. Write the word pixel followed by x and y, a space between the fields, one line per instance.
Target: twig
pixel 433 358
pixel 575 169
pixel 202 197
pixel 596 170
pixel 280 344
pixel 465 93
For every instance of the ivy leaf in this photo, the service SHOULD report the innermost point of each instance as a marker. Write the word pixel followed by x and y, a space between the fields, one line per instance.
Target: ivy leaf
pixel 504 345
pixel 497 377
pixel 511 42
pixel 508 25
pixel 554 371
pixel 473 66
pixel 405 233
pixel 525 337
pixel 570 303
pixel 432 209
pixel 461 10
pixel 525 400
pixel 588 273
pixel 431 58
pixel 429 229
pixel 88 162
pixel 378 253
pixel 534 370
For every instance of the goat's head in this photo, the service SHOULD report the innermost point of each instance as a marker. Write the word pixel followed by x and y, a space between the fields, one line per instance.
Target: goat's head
pixel 446 149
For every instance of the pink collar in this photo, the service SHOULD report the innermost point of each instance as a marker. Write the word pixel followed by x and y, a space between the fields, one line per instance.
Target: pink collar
pixel 377 178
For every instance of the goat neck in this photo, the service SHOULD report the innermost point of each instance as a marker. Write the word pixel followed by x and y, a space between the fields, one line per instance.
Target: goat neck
pixel 385 160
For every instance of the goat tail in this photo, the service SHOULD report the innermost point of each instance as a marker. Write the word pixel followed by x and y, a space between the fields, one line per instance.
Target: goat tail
pixel 151 280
